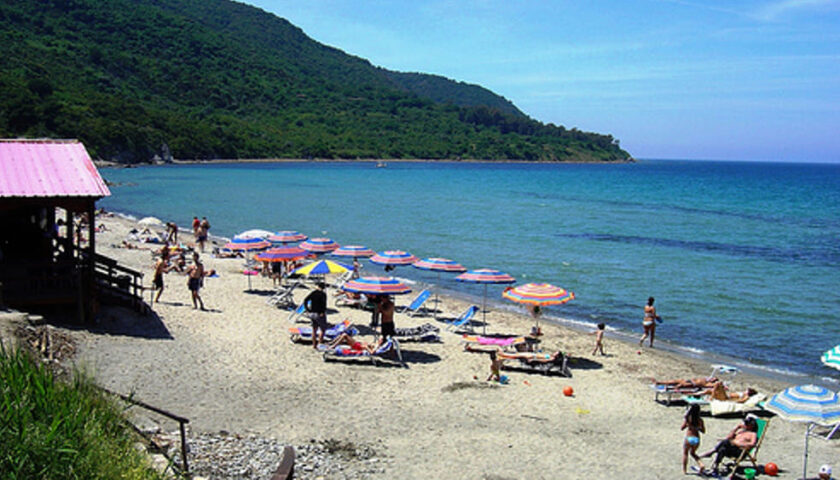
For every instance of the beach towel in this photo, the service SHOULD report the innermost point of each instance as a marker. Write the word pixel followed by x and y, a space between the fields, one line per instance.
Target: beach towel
pixel 501 342
pixel 722 407
pixel 303 334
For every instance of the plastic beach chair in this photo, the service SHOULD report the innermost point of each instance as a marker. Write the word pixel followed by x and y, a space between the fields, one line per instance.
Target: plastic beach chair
pixel 388 348
pixel 297 313
pixel 415 306
pixel 463 320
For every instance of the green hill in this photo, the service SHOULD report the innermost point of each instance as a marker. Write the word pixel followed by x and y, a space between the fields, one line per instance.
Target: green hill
pixel 217 79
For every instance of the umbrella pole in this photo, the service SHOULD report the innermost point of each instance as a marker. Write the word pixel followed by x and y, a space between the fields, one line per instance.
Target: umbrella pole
pixel 484 312
pixel 437 302
pixel 805 460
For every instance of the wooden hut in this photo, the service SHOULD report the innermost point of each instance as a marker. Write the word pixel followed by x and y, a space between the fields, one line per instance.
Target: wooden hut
pixel 48 194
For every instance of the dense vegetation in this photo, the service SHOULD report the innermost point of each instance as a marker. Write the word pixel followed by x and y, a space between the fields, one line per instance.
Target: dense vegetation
pixel 218 79
pixel 52 429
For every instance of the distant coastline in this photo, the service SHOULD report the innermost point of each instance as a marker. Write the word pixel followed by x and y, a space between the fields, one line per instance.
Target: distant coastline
pixel 110 164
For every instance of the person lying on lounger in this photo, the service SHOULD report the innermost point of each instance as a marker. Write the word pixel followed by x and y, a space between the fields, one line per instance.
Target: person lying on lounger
pixel 702 382
pixel 355 345
pixel 718 392
pixel 530 357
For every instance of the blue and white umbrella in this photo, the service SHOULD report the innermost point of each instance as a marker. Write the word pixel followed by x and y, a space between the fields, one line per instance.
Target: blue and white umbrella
pixel 831 358
pixel 812 404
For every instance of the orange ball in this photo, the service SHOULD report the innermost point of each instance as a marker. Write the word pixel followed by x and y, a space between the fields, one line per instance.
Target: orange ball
pixel 771 469
pixel 568 391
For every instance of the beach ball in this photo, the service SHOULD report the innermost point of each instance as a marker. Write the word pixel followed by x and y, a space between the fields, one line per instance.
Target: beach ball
pixel 771 469
pixel 568 391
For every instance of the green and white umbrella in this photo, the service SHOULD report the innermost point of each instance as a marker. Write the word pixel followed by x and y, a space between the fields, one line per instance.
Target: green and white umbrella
pixel 831 358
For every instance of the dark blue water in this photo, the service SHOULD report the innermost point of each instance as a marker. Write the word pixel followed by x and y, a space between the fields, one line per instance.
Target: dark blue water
pixel 742 257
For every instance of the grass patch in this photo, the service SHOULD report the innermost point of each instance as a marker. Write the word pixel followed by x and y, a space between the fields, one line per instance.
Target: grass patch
pixel 61 429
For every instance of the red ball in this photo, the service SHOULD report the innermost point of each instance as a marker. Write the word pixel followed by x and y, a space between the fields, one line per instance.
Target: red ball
pixel 568 391
pixel 771 469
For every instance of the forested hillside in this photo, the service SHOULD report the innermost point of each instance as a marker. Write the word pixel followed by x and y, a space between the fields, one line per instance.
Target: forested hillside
pixel 217 79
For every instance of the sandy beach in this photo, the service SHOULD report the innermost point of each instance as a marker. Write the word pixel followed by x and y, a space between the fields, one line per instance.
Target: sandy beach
pixel 233 368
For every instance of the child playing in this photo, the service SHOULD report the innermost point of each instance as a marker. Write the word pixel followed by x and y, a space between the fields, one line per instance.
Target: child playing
pixel 693 426
pixel 495 368
pixel 599 339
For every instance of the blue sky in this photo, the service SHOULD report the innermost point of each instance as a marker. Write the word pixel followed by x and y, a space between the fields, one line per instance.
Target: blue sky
pixel 728 80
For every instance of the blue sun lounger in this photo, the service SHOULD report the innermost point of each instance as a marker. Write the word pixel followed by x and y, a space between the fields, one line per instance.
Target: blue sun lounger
pixel 304 334
pixel 416 305
pixel 389 348
pixel 463 320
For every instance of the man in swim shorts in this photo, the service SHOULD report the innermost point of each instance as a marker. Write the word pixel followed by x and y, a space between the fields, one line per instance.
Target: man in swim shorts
pixel 316 304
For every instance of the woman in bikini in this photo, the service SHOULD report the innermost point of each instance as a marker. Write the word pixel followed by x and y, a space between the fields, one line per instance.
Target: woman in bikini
pixel 649 322
pixel 355 345
pixel 693 426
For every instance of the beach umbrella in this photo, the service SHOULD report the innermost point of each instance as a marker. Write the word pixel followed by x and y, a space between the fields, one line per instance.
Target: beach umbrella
pixel 354 251
pixel 376 286
pixel 287 236
pixel 538 295
pixel 281 254
pixel 439 265
pixel 322 267
pixel 255 233
pixel 486 276
pixel 393 258
pixel 811 404
pixel 319 245
pixel 150 222
pixel 247 244
pixel 831 358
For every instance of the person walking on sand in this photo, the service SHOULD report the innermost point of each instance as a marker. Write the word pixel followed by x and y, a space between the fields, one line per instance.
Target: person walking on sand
pixel 649 322
pixel 316 304
pixel 693 426
pixel 599 339
pixel 161 266
pixel 195 274
pixel 495 368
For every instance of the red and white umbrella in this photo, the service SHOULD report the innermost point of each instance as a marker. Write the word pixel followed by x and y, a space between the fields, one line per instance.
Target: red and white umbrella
pixel 287 236
pixel 439 265
pixel 376 286
pixel 539 295
pixel 393 257
pixel 319 245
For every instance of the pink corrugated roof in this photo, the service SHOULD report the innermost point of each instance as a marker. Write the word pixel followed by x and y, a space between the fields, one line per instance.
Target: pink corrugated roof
pixel 48 168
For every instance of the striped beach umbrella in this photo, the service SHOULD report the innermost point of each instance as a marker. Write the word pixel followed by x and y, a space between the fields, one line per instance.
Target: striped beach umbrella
pixel 393 257
pixel 287 236
pixel 255 233
pixel 439 265
pixel 486 276
pixel 376 286
pixel 322 267
pixel 319 245
pixel 831 358
pixel 812 404
pixel 247 244
pixel 281 254
pixel 538 295
pixel 354 251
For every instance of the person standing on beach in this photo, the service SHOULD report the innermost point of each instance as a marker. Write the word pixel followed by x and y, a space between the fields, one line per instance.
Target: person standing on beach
pixel 649 322
pixel 203 231
pixel 386 316
pixel 161 267
pixel 693 426
pixel 172 233
pixel 599 339
pixel 316 304
pixel 195 274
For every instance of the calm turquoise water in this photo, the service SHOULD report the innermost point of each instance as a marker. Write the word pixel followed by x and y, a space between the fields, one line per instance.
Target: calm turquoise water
pixel 743 258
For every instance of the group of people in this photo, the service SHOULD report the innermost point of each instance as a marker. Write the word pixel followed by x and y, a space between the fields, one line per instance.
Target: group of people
pixel 316 307
pixel 201 229
pixel 195 274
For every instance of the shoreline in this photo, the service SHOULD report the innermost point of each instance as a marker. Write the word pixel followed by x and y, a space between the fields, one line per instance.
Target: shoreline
pixel 231 368
pixel 681 350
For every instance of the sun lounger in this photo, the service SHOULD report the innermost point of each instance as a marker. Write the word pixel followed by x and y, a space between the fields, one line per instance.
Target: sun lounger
pixel 477 343
pixel 388 352
pixel 304 334
pixel 417 304
pixel 424 333
pixel 284 297
pixel 670 393
pixel 723 407
pixel 463 320
pixel 559 366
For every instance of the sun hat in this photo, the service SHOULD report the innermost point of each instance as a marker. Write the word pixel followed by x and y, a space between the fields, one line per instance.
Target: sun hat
pixel 825 469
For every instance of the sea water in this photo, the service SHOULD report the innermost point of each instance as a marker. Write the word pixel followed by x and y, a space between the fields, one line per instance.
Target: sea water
pixel 743 258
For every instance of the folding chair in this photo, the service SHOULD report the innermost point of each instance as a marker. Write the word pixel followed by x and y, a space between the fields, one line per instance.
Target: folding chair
pixel 415 306
pixel 463 320
pixel 751 453
pixel 297 313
